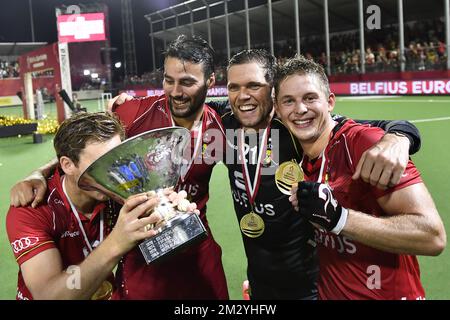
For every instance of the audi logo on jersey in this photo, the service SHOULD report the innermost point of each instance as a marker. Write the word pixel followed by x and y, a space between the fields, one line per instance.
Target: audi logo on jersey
pixel 23 243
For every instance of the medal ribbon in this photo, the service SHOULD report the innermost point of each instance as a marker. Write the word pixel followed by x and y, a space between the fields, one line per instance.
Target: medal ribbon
pixel 322 166
pixel 336 128
pixel 80 225
pixel 198 142
pixel 252 189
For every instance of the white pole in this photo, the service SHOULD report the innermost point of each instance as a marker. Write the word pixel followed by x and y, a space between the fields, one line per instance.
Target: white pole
pixel 247 25
pixel 447 31
pixel 361 36
pixel 297 26
pixel 401 36
pixel 66 83
pixel 208 17
pixel 327 35
pixel 31 21
pixel 269 6
pixel 227 30
pixel 152 40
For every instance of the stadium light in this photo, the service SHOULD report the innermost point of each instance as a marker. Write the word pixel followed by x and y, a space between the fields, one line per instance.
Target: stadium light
pixel 118 65
pixel 86 72
pixel 94 75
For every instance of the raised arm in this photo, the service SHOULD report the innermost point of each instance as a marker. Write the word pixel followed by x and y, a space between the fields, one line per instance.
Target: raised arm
pixel 32 189
pixel 383 164
pixel 399 127
pixel 118 100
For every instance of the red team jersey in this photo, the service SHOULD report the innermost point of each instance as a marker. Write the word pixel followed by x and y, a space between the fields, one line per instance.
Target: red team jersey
pixel 348 269
pixel 50 225
pixel 196 272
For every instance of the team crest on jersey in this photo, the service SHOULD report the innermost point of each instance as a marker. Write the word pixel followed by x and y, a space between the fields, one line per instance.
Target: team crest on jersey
pixel 206 142
pixel 160 107
pixel 268 160
pixel 205 154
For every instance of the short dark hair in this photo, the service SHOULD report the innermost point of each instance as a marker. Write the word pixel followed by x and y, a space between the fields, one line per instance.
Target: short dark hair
pixel 192 49
pixel 83 127
pixel 301 66
pixel 260 56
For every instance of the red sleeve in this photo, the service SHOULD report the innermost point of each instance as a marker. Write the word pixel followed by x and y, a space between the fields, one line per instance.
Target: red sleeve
pixel 129 111
pixel 29 231
pixel 364 139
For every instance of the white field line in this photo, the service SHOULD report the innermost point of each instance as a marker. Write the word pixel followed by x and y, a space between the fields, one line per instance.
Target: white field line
pixel 430 120
pixel 366 97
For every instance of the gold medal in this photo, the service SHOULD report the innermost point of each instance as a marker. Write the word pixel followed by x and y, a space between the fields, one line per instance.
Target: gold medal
pixel 288 174
pixel 104 292
pixel 252 225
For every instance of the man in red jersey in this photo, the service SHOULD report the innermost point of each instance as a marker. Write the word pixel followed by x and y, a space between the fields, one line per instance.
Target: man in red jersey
pixel 197 272
pixel 368 238
pixel 59 245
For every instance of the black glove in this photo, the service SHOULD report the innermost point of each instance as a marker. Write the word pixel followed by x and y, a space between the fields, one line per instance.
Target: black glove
pixel 317 204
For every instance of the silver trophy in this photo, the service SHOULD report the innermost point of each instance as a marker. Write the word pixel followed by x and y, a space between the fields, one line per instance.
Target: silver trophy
pixel 150 161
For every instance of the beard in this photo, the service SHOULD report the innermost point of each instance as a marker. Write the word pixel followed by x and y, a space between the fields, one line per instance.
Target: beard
pixel 192 104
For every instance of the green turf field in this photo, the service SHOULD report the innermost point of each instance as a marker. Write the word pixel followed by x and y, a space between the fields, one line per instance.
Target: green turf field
pixel 18 156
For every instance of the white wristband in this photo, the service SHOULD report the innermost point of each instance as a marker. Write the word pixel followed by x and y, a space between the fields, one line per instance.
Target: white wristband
pixel 341 223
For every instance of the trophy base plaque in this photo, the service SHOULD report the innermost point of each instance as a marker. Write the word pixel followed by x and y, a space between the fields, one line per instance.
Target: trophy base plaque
pixel 180 231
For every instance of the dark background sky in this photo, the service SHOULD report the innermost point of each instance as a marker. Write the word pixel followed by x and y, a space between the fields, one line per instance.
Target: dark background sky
pixel 15 23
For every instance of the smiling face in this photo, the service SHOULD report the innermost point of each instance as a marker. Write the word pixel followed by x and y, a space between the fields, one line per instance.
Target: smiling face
pixel 304 107
pixel 249 95
pixel 185 86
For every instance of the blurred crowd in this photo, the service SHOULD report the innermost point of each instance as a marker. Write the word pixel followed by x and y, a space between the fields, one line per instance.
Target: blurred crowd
pixel 9 69
pixel 425 49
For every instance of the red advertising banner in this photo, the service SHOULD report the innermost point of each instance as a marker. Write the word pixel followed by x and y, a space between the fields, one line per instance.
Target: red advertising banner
pixel 81 27
pixel 396 87
pixel 399 87
pixel 219 91
pixel 40 59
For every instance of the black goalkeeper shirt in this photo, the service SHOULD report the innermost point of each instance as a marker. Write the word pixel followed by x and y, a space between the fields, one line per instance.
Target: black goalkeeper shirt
pixel 283 258
pixel 282 261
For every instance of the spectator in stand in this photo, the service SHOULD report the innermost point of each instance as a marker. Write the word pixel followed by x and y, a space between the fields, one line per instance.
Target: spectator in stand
pixel 9 69
pixel 370 60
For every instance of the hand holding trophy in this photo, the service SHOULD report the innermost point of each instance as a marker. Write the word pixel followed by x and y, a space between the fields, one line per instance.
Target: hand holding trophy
pixel 150 163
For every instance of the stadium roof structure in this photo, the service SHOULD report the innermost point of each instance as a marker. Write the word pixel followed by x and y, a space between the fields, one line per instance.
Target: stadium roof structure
pixel 343 16
pixel 16 49
pixel 210 18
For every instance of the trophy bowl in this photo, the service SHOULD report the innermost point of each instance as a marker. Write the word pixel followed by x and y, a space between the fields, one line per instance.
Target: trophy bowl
pixel 150 161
